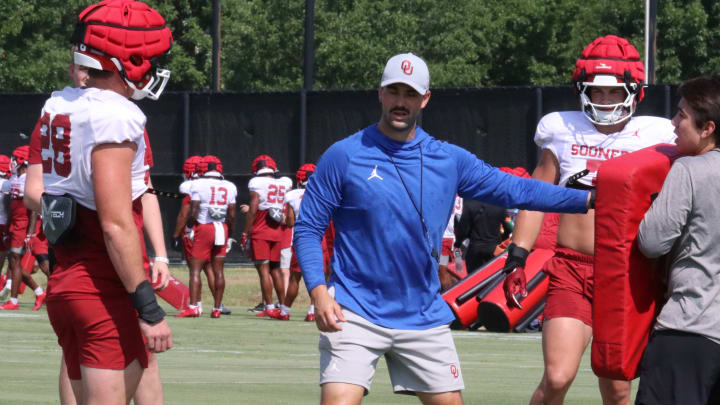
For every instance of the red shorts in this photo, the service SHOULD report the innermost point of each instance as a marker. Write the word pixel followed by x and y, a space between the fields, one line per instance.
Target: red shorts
pixel 447 248
pixel 97 333
pixel 39 245
pixel 570 292
pixel 18 231
pixel 203 244
pixel 266 250
pixel 187 247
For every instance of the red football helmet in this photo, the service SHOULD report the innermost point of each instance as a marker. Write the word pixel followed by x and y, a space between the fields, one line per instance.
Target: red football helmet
pixel 609 61
pixel 516 171
pixel 304 173
pixel 5 166
pixel 19 157
pixel 125 36
pixel 264 164
pixel 210 162
pixel 190 167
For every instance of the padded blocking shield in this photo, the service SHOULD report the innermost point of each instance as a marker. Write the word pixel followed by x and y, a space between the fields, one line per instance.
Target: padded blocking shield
pixel 627 292
pixel 176 294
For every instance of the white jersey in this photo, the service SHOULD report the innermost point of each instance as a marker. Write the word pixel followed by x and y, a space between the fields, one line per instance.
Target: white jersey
pixel 457 212
pixel 185 186
pixel 73 122
pixel 578 145
pixel 5 187
pixel 215 195
pixel 293 198
pixel 15 186
pixel 270 190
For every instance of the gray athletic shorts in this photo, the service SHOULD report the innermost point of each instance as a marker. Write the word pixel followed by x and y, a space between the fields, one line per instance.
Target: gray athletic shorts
pixel 285 256
pixel 418 360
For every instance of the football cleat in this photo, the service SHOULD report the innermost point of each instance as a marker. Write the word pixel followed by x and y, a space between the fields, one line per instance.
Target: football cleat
pixel 224 310
pixel 215 313
pixel 281 317
pixel 310 318
pixel 39 300
pixel 271 313
pixel 9 306
pixel 189 313
pixel 258 308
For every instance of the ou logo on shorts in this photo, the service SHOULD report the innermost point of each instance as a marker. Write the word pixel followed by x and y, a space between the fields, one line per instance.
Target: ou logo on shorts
pixel 406 67
pixel 454 371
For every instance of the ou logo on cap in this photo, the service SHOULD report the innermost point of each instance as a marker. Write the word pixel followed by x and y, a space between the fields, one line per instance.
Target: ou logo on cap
pixel 406 67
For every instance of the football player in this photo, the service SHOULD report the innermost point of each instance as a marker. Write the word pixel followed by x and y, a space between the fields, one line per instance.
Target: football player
pixel 447 249
pixel 293 198
pixel 609 78
pixel 212 217
pixel 5 281
pixel 100 304
pixel 263 227
pixel 20 233
pixel 183 235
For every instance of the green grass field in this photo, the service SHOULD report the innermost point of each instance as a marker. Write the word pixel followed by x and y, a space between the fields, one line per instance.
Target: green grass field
pixel 241 359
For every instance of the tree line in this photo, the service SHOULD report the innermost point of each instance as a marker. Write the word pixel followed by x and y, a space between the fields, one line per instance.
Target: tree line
pixel 467 43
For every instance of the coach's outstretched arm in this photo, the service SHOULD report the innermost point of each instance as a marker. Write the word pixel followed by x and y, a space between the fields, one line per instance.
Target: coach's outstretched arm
pixel 321 198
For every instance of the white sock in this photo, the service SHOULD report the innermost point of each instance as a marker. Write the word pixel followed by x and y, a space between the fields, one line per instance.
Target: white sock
pixel 8 283
pixel 284 310
pixel 199 305
pixel 312 309
pixel 192 306
pixel 269 307
pixel 39 291
pixel 13 300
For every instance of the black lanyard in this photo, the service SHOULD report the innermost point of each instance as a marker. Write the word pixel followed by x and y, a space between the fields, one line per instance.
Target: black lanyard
pixel 434 252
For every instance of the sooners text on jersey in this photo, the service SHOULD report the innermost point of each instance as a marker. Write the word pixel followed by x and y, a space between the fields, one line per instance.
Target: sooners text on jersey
pixel 578 145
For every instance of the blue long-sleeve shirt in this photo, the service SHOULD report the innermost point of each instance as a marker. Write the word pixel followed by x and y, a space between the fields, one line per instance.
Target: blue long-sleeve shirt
pixel 370 186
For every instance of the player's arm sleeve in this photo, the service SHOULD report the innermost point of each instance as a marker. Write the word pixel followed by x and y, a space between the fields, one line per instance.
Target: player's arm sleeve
pixel 668 214
pixel 544 134
pixel 110 127
pixel 322 196
pixel 35 156
pixel 232 193
pixel 480 181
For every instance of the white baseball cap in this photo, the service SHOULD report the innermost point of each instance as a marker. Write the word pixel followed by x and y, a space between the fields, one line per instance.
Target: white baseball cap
pixel 409 69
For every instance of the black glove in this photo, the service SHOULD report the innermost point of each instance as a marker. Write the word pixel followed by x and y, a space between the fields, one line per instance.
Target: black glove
pixel 177 244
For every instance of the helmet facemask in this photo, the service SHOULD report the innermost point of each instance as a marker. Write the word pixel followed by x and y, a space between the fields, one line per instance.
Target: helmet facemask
pixel 608 114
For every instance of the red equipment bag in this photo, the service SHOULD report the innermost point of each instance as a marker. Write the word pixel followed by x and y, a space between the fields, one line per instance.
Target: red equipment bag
pixel 176 294
pixel 462 296
pixel 492 311
pixel 627 292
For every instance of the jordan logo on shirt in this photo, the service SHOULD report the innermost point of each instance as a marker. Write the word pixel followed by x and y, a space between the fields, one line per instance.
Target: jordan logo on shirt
pixel 374 175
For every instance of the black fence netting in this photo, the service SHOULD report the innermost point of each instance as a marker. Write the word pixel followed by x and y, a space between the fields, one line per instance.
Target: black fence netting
pixel 497 124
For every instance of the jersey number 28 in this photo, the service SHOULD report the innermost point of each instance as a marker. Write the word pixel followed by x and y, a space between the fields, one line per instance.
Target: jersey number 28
pixel 55 138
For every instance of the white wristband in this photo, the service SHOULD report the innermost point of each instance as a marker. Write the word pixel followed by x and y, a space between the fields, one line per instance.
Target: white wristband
pixel 162 259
